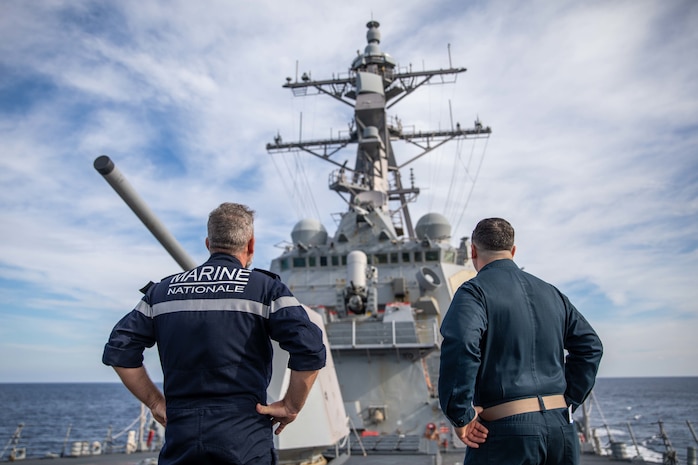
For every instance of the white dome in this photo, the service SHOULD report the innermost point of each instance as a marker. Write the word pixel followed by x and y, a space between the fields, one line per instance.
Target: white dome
pixel 435 226
pixel 309 232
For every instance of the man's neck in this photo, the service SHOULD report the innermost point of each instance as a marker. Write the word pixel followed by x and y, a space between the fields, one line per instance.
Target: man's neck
pixel 243 258
pixel 486 257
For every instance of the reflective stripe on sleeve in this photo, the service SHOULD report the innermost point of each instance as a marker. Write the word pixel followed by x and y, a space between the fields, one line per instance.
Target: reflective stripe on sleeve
pixel 283 302
pixel 144 308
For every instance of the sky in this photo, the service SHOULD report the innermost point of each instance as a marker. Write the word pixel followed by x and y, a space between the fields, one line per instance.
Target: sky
pixel 593 155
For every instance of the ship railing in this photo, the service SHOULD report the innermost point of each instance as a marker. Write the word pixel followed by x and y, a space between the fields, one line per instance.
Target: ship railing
pixel 383 335
pixel 608 442
pixel 338 180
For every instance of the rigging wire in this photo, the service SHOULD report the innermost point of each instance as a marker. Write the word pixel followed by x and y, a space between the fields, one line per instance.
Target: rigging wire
pixel 284 181
pixel 472 184
pixel 455 200
pixel 450 197
pixel 433 178
pixel 297 194
pixel 307 188
pixel 438 155
pixel 285 174
pixel 299 190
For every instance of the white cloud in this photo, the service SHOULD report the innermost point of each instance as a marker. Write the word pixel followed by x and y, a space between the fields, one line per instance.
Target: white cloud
pixel 592 157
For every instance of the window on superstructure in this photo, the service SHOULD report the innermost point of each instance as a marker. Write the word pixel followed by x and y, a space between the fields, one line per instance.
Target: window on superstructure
pixel 284 264
pixel 323 261
pixel 431 256
pixel 417 257
pixel 380 258
pixel 299 262
pixel 405 257
pixel 449 256
pixel 312 261
pixel 344 260
pixel 393 257
pixel 335 260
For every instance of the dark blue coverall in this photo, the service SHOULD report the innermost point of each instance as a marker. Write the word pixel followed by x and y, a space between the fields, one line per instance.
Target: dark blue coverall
pixel 213 326
pixel 505 336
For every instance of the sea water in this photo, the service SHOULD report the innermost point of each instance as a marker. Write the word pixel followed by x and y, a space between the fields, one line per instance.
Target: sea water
pixel 621 408
pixel 56 415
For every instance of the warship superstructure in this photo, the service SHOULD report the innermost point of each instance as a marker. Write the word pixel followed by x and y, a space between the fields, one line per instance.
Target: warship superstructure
pixel 381 284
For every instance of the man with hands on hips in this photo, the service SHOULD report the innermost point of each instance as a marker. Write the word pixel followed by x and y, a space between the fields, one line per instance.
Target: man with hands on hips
pixel 517 359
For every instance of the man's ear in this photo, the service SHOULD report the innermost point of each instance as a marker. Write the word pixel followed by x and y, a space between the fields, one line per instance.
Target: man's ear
pixel 250 247
pixel 207 244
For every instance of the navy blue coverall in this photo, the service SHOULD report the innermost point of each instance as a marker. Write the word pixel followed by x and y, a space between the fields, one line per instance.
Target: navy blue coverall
pixel 213 325
pixel 505 337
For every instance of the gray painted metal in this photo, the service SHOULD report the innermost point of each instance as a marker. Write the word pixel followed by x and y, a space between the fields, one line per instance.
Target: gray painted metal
pixel 106 167
pixel 382 330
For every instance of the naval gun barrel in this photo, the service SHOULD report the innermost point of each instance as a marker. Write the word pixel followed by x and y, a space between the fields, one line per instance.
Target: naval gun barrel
pixel 118 181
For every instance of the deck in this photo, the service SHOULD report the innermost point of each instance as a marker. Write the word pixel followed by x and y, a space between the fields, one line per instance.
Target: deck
pixel 150 458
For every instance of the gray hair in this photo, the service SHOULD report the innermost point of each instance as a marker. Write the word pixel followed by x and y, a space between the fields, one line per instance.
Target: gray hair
pixel 493 234
pixel 230 227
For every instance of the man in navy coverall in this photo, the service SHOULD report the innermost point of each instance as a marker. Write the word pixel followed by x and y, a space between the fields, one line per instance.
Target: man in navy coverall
pixel 213 326
pixel 505 383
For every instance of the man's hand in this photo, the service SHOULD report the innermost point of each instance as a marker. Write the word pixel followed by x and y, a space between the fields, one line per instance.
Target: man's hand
pixel 286 410
pixel 474 433
pixel 279 412
pixel 139 383
pixel 159 412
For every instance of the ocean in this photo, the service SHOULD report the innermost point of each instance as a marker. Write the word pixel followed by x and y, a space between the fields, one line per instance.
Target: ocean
pixel 61 413
pixel 620 406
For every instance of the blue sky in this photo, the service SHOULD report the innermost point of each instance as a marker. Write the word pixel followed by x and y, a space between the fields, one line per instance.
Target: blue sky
pixel 593 157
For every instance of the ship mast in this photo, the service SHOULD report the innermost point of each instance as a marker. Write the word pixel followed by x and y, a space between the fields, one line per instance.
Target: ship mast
pixel 374 184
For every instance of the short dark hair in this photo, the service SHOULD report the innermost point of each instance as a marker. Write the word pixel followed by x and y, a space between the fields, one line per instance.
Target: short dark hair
pixel 493 234
pixel 230 227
